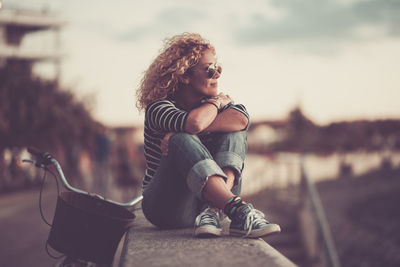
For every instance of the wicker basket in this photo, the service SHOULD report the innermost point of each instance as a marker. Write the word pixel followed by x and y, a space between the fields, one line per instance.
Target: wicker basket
pixel 88 228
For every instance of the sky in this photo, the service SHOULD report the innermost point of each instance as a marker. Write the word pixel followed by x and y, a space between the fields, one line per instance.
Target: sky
pixel 336 59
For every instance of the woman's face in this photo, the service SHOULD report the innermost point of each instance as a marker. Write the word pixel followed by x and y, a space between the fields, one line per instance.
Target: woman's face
pixel 199 81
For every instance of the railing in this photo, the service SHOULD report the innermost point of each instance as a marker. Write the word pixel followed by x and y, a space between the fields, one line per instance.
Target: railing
pixel 314 226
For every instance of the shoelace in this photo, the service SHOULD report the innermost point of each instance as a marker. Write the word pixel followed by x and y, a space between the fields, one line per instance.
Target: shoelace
pixel 208 216
pixel 254 217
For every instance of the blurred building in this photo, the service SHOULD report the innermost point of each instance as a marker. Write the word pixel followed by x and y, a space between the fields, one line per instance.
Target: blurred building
pixel 263 134
pixel 18 27
pixel 127 158
pixel 16 24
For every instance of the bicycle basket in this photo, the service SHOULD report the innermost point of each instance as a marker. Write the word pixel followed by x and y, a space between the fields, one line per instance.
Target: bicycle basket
pixel 88 228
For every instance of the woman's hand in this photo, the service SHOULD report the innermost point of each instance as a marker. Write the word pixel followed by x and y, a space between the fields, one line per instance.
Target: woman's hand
pixel 223 99
pixel 201 117
pixel 164 143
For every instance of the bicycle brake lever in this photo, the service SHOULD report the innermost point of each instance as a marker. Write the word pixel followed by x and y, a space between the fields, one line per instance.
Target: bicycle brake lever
pixel 34 162
pixel 43 158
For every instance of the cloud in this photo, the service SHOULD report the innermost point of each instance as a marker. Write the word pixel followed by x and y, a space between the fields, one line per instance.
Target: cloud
pixel 385 12
pixel 315 19
pixel 172 19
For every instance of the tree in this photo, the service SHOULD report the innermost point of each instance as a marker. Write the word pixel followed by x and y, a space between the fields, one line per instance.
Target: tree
pixel 34 112
pixel 302 132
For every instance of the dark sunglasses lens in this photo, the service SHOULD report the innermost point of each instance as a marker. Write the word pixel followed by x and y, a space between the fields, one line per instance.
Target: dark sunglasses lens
pixel 211 73
pixel 212 70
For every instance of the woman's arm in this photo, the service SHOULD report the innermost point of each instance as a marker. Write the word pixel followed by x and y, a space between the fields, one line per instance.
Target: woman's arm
pixel 206 118
pixel 200 118
pixel 229 120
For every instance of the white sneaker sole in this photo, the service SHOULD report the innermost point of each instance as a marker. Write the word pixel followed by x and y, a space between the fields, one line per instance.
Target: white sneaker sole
pixel 270 229
pixel 207 231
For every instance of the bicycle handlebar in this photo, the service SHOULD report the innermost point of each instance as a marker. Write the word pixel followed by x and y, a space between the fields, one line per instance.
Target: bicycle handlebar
pixel 44 158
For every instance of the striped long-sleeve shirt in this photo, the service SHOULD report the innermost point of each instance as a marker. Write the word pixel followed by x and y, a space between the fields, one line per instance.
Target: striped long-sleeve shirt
pixel 161 118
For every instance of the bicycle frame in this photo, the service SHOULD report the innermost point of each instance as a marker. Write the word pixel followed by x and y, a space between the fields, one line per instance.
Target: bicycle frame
pixel 47 159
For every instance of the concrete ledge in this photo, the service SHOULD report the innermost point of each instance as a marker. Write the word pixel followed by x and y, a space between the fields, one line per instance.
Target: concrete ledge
pixel 146 245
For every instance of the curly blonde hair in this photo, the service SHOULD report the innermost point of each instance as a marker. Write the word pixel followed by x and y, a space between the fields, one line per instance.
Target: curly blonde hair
pixel 164 76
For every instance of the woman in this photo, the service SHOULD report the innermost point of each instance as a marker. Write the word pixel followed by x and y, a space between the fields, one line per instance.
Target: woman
pixel 195 144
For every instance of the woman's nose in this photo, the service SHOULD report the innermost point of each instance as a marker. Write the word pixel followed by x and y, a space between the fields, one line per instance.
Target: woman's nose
pixel 217 75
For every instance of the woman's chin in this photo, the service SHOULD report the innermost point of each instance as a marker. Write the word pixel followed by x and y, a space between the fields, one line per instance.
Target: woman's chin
pixel 213 93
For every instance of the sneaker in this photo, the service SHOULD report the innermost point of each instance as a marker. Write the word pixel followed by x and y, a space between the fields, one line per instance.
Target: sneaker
pixel 207 224
pixel 249 222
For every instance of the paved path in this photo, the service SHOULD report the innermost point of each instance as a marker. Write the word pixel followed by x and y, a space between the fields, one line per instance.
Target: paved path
pixel 23 234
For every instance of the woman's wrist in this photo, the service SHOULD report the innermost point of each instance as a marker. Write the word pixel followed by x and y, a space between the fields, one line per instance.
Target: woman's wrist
pixel 214 102
pixel 221 100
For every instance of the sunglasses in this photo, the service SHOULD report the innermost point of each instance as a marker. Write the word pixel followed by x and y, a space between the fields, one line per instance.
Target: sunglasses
pixel 212 69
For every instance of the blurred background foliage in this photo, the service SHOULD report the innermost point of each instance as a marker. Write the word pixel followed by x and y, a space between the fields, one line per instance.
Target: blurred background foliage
pixel 34 112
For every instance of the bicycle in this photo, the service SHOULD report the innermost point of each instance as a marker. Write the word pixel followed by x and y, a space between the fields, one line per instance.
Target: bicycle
pixel 86 228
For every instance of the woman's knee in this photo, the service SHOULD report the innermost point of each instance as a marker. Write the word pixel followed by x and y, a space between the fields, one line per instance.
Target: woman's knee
pixel 238 136
pixel 184 138
pixel 233 142
pixel 184 141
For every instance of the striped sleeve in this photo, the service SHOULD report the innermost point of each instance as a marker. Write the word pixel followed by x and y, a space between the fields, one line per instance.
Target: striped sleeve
pixel 164 116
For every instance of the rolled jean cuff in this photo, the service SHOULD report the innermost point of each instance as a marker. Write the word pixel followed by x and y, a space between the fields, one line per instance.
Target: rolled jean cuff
pixel 198 175
pixel 230 159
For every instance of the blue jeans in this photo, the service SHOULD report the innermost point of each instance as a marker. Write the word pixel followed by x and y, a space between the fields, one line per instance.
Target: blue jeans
pixel 174 198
